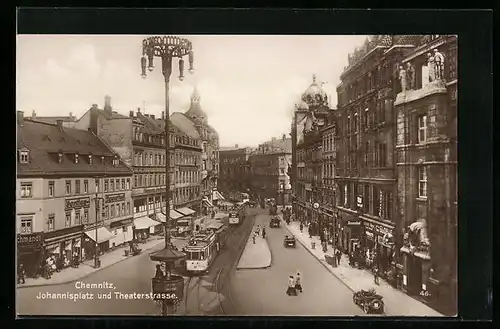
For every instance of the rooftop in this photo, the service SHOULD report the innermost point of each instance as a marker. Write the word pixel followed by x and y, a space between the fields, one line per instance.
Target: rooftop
pixel 184 124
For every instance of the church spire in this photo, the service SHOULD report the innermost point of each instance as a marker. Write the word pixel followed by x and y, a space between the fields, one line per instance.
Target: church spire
pixel 195 96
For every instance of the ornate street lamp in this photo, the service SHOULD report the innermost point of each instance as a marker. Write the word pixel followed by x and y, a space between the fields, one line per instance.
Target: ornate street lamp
pixel 167 48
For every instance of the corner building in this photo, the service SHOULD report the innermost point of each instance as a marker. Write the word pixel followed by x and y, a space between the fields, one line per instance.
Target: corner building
pixel 234 168
pixel 426 163
pixel 70 185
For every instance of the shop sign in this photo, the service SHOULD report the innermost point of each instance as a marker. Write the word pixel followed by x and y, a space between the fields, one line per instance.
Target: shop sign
pixel 112 198
pixel 77 203
pixel 30 240
pixel 353 223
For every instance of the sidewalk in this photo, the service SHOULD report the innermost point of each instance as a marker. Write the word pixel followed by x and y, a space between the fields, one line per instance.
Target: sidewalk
pixel 255 256
pixel 397 303
pixel 87 267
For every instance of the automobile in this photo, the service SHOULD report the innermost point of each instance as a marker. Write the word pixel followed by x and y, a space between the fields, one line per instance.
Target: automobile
pixel 275 222
pixel 289 241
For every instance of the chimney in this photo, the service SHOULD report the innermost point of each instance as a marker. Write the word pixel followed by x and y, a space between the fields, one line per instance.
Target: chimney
pixel 236 145
pixel 152 116
pixel 94 106
pixel 138 110
pixel 20 118
pixel 131 114
pixel 107 105
pixel 59 124
pixel 71 116
pixel 163 115
pixel 284 137
pixel 33 115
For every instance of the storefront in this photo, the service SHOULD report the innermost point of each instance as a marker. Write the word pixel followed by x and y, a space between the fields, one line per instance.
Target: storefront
pixel 350 231
pixel 144 226
pixel 379 241
pixel 30 252
pixel 99 238
pixel 64 243
pixel 122 232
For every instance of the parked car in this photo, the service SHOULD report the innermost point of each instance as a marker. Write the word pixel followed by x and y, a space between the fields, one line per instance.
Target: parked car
pixel 275 221
pixel 289 241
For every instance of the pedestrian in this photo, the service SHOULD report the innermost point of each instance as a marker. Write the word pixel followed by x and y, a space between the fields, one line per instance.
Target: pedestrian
pixel 159 273
pixel 76 260
pixel 301 226
pixel 375 274
pixel 310 231
pixel 21 274
pixel 338 254
pixel 291 287
pixel 298 286
pixel 254 236
pixel 264 232
pixel 258 230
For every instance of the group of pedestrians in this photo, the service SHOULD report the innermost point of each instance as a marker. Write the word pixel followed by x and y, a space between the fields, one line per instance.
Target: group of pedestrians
pixel 257 233
pixel 294 285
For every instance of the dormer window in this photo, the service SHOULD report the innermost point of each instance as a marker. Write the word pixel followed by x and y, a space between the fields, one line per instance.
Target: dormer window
pixel 76 158
pixel 102 159
pixel 24 155
pixel 116 161
pixel 90 159
pixel 60 157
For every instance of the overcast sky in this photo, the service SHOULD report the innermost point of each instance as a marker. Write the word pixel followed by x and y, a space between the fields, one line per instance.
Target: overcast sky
pixel 248 84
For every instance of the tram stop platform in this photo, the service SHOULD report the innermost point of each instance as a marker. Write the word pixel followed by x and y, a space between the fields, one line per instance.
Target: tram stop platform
pixel 255 256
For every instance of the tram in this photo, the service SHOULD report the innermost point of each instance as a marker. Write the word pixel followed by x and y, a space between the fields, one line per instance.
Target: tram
pixel 203 248
pixel 239 196
pixel 237 213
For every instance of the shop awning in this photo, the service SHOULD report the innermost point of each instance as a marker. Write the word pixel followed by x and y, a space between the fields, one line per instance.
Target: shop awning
pixel 78 243
pixel 54 249
pixel 208 203
pixel 185 211
pixel 217 196
pixel 215 226
pixel 175 214
pixel 159 217
pixel 68 246
pixel 102 234
pixel 144 222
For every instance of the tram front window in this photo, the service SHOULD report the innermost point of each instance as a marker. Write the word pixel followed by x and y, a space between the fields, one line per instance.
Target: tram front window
pixel 194 255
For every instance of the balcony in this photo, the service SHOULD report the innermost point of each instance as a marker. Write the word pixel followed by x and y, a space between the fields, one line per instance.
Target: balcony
pixel 434 87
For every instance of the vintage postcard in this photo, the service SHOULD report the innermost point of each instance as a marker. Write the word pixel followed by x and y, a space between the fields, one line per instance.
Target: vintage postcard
pixel 236 175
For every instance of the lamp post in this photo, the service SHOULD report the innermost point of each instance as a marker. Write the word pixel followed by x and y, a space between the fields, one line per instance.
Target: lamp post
pixel 97 262
pixel 167 48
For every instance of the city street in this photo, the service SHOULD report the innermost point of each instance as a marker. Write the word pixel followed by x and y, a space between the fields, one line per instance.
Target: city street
pixel 262 292
pixel 134 276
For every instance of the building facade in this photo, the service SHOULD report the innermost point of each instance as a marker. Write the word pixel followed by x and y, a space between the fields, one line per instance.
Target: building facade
pixel 72 191
pixel 312 121
pixel 234 169
pixel 269 165
pixel 210 152
pixel 426 168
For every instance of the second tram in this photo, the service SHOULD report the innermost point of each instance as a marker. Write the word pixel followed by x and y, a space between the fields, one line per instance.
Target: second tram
pixel 237 213
pixel 203 248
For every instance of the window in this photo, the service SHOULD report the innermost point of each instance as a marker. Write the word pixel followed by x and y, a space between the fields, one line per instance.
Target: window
pixel 150 159
pixel 112 211
pixel 422 182
pixel 85 215
pixel 97 185
pixel 128 184
pixel 106 212
pixel 26 190
pixel 382 155
pixel 68 219
pixel 78 219
pixel 106 185
pixel 128 208
pixel 112 185
pixel 26 225
pixel 90 159
pixel 51 189
pixel 77 186
pixel 118 213
pixel 85 186
pixel 123 184
pixel 76 158
pixel 50 222
pixel 422 128
pixel 68 187
pixel 23 157
pixel 123 209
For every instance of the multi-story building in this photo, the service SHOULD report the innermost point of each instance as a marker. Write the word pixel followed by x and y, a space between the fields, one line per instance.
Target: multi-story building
pixel 72 189
pixel 328 177
pixel 269 165
pixel 426 169
pixel 366 168
pixel 210 151
pixel 234 169
pixel 313 117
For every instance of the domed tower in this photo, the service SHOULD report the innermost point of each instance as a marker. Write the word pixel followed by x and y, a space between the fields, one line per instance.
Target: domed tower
pixel 195 112
pixel 315 97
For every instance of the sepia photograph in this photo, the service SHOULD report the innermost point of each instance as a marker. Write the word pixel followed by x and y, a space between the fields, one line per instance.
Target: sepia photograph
pixel 236 175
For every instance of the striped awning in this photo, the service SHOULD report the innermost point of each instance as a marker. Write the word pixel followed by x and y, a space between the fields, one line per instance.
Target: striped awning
pixel 217 196
pixel 208 203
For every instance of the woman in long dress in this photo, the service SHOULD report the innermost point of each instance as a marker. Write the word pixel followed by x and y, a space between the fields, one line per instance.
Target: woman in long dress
pixel 291 291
